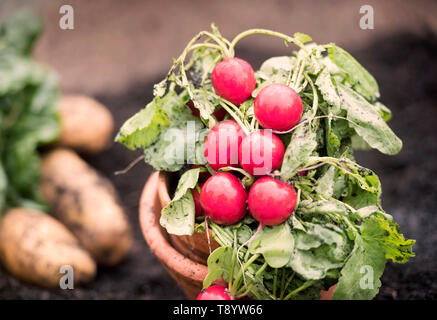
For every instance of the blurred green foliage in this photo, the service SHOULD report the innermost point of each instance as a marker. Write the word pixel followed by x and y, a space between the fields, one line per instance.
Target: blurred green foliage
pixel 28 116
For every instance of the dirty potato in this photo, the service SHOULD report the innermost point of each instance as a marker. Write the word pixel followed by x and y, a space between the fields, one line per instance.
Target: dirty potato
pixel 86 124
pixel 34 246
pixel 87 204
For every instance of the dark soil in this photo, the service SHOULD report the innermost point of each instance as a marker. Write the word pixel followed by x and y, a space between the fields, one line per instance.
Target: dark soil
pixel 406 69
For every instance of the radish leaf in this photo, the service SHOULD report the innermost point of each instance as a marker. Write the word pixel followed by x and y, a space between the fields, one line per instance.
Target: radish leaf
pixel 319 251
pixel 178 216
pixel 360 276
pixel 144 127
pixel 355 75
pixel 368 124
pixel 275 244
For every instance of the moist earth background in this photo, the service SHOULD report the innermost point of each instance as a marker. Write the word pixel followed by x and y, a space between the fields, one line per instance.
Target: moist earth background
pixel 406 70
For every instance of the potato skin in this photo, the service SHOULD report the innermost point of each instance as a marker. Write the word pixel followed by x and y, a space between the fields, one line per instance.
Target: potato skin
pixel 34 245
pixel 86 124
pixel 87 204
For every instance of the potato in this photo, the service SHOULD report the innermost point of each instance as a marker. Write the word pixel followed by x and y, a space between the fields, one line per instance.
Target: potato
pixel 86 125
pixel 87 204
pixel 34 246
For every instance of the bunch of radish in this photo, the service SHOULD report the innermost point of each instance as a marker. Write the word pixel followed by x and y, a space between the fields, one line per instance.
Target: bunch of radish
pixel 277 107
pixel 259 136
pixel 223 198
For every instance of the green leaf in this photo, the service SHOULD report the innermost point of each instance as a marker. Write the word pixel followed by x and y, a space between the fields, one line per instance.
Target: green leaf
pixel 142 129
pixel 373 210
pixel 333 138
pixel 365 178
pixel 20 31
pixel 302 37
pixel 244 233
pixel 319 251
pixel 325 184
pixel 296 223
pixel 178 216
pixel 160 88
pixel 276 65
pixel 274 70
pixel 329 91
pixel 203 60
pixel 368 124
pixel 386 232
pixel 360 277
pixel 219 265
pixel 177 146
pixel 383 111
pixel 28 113
pixel 275 244
pixel 313 208
pixel 302 144
pixel 358 143
pixel 355 75
pixel 359 198
pixel 205 103
pixel 167 132
pixel 201 63
pixel 187 181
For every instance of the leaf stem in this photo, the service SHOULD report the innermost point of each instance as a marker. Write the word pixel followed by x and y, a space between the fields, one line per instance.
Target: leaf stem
pixel 206 45
pixel 210 169
pixel 309 120
pixel 267 32
pixel 287 284
pixel 236 118
pixel 243 269
pixel 234 253
pixel 282 280
pixel 249 178
pixel 130 166
pixel 230 104
pixel 221 238
pixel 299 191
pixel 228 53
pixel 275 281
pixel 250 284
pixel 302 287
pixel 312 167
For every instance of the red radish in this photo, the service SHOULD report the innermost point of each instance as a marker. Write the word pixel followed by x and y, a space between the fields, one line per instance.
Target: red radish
pixel 197 206
pixel 234 80
pixel 303 173
pixel 261 152
pixel 223 199
pixel 271 201
pixel 222 144
pixel 219 114
pixel 278 107
pixel 214 292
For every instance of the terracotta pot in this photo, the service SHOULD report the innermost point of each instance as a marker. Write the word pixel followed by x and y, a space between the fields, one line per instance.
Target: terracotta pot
pixel 184 257
pixel 194 246
pixel 188 273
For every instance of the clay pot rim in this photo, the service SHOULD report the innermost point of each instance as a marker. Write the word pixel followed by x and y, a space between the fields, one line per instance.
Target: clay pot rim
pixel 163 194
pixel 155 236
